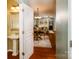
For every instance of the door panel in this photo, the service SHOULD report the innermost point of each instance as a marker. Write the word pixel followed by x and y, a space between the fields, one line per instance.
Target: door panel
pixel 26 31
pixel 62 29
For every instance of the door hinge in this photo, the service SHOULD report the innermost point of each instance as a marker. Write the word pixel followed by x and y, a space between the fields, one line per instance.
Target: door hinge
pixel 22 10
pixel 22 32
pixel 23 53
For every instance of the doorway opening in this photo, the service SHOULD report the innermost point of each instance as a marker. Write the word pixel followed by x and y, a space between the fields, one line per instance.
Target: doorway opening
pixel 12 29
pixel 44 29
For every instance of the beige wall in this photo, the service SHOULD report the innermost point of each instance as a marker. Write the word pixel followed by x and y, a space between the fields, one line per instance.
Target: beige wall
pixel 9 32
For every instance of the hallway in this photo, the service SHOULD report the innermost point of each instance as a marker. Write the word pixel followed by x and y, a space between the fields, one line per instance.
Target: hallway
pixel 39 53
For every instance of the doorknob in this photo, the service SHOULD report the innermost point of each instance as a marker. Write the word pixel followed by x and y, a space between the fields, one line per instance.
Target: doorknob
pixel 23 53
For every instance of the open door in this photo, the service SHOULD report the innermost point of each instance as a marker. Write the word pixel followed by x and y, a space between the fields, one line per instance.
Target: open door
pixel 26 31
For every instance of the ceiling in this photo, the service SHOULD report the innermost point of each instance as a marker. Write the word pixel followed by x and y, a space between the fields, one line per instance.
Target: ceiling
pixel 45 6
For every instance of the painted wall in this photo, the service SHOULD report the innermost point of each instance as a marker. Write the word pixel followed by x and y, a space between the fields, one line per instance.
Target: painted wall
pixel 12 22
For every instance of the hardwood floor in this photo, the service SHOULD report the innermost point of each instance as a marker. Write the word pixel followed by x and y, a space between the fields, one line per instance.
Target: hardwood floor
pixel 44 53
pixel 9 56
pixel 39 53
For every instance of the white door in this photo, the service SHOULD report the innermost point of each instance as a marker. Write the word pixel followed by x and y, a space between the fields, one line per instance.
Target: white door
pixel 26 31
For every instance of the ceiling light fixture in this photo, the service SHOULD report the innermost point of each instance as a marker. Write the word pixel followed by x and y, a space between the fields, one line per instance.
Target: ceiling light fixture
pixel 15 8
pixel 12 8
pixel 38 17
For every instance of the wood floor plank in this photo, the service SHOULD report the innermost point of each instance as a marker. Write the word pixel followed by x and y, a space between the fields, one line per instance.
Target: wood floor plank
pixel 44 53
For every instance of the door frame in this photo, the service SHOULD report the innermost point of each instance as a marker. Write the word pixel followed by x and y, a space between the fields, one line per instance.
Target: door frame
pixel 20 32
pixel 68 40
